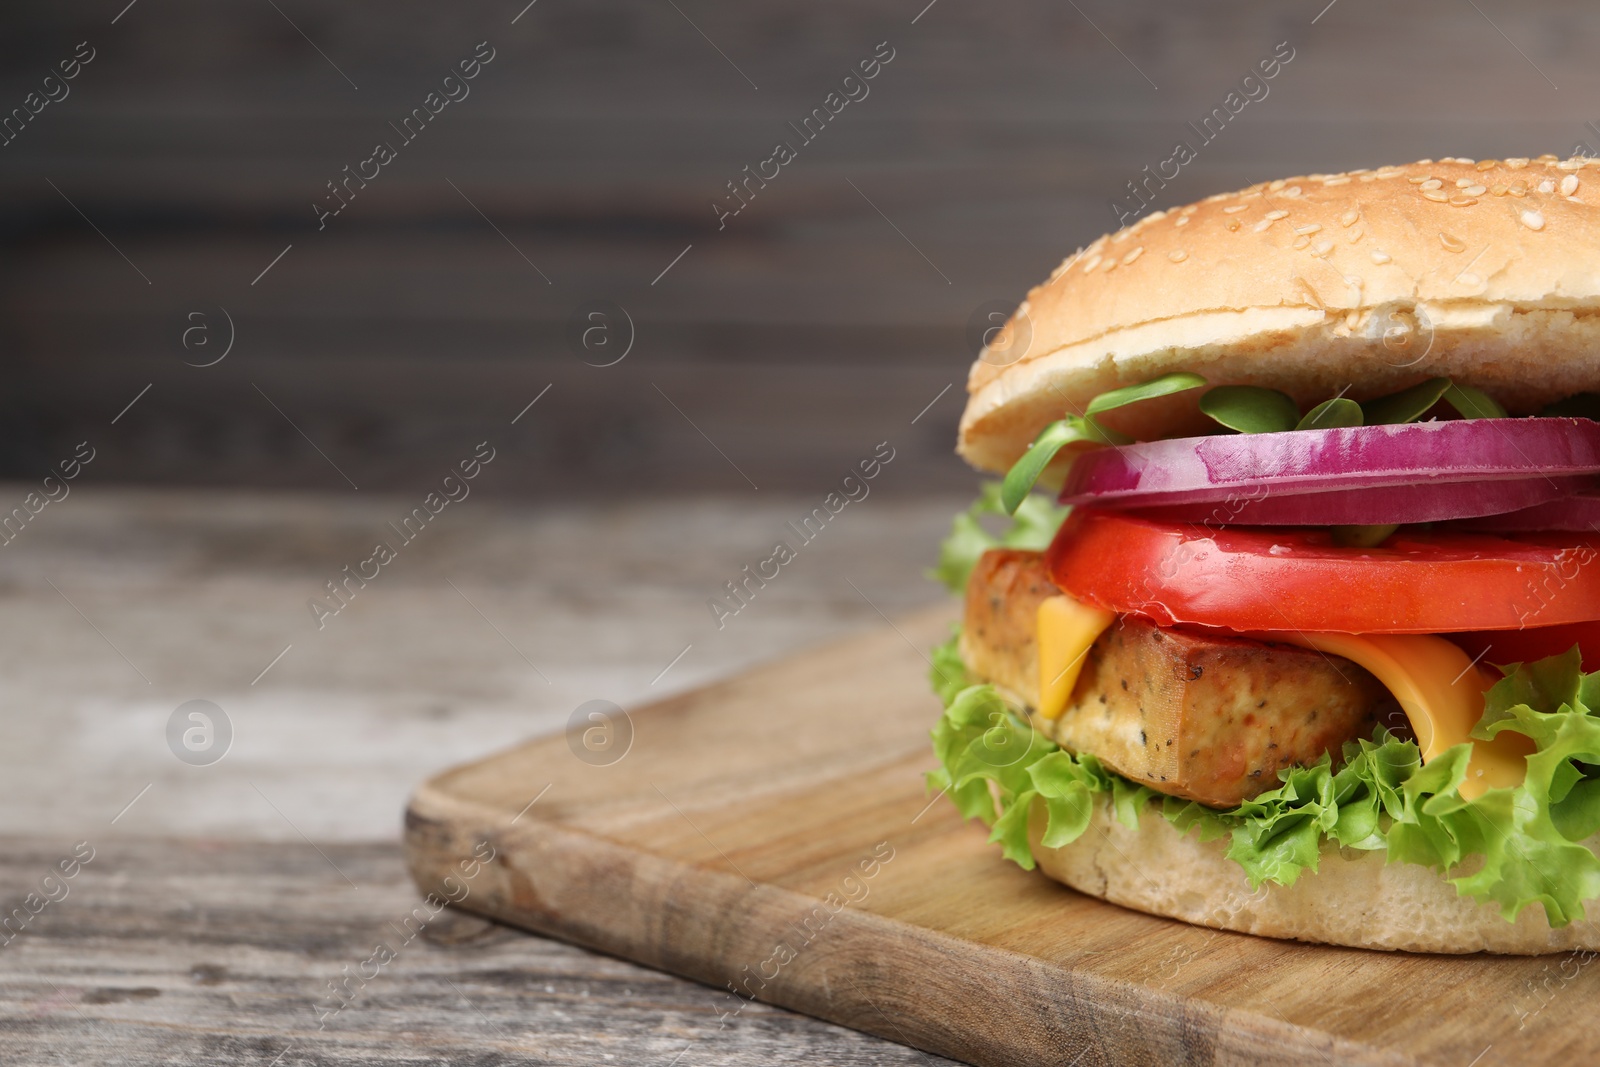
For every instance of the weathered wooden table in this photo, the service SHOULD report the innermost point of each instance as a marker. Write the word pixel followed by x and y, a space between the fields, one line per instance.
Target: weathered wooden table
pixel 225 906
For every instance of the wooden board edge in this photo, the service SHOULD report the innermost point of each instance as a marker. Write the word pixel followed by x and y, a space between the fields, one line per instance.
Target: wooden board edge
pixel 628 903
pixel 925 623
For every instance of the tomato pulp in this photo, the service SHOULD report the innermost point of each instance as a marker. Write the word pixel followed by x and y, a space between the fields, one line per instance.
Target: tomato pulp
pixel 1243 578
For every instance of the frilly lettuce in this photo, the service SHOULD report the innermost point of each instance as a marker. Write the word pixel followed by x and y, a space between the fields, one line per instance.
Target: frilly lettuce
pixel 1512 847
pixel 1033 525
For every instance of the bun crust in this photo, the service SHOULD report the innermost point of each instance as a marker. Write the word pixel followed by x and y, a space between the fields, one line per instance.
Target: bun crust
pixel 1367 282
pixel 1353 899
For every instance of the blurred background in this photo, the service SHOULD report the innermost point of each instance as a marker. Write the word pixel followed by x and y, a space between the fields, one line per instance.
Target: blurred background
pixel 587 158
pixel 275 339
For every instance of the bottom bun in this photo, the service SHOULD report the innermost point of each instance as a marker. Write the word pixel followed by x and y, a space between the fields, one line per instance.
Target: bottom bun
pixel 1353 899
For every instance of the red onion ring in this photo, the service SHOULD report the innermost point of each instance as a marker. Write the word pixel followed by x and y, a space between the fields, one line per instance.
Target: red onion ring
pixel 1423 502
pixel 1579 512
pixel 1428 472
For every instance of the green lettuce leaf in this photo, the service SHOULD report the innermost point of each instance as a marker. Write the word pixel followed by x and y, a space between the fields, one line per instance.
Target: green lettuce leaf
pixel 1408 405
pixel 1059 434
pixel 948 671
pixel 1331 414
pixel 1032 527
pixel 1251 408
pixel 1473 403
pixel 1514 848
pixel 1055 436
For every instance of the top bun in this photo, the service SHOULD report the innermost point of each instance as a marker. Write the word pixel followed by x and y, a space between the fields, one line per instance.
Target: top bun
pixel 1361 283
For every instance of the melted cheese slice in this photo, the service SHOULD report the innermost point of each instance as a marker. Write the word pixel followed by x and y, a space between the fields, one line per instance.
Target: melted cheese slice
pixel 1066 630
pixel 1441 692
pixel 1435 682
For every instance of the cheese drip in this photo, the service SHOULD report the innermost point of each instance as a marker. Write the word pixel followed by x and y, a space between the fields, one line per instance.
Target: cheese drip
pixel 1440 690
pixel 1435 682
pixel 1067 629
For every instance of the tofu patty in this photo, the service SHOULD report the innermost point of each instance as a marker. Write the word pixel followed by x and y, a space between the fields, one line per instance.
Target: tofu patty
pixel 1206 717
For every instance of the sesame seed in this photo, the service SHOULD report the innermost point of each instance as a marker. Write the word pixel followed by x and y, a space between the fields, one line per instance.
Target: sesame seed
pixel 1517 164
pixel 1380 258
pixel 1452 243
pixel 1357 234
pixel 1279 184
pixel 1182 220
pixel 1108 266
pixel 1569 185
pixel 1533 220
pixel 1576 163
pixel 1322 247
pixel 1547 158
pixel 1308 228
pixel 1293 190
pixel 1488 164
pixel 1518 189
pixel 1418 179
pixel 1547 187
pixel 1234 209
pixel 1274 216
pixel 1435 195
pixel 1094 261
pixel 1349 217
pixel 1462 183
pixel 1340 180
pixel 1177 255
pixel 1463 201
pixel 1301 242
pixel 1469 279
pixel 1432 183
pixel 1233 225
pixel 1262 226
pixel 1499 190
pixel 1474 190
pixel 1131 256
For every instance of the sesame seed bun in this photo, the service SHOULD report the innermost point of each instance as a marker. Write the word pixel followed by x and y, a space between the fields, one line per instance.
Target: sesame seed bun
pixel 1354 898
pixel 1370 281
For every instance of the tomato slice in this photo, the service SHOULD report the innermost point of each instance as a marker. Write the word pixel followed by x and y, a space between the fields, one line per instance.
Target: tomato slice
pixel 1243 578
pixel 1526 646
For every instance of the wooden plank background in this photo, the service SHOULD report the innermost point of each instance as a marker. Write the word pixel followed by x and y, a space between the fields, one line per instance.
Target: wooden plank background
pixel 596 140
pixel 191 954
pixel 216 948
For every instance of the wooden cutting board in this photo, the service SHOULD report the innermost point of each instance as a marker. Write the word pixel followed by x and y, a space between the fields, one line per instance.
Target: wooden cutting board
pixel 773 832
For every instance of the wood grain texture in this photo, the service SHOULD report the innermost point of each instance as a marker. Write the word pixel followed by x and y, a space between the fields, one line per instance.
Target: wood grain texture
pixel 198 953
pixel 199 591
pixel 719 834
pixel 596 142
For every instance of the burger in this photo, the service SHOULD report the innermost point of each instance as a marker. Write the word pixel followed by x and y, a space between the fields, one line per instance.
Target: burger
pixel 1280 619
